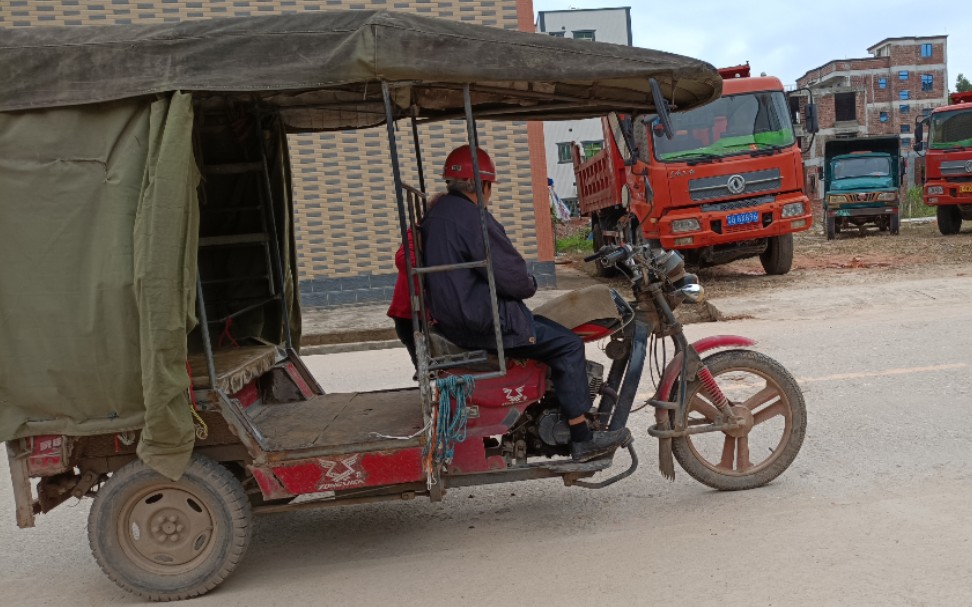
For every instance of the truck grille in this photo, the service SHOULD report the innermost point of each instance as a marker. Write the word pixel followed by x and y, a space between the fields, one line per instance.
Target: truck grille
pixel 709 188
pixel 956 167
pixel 735 205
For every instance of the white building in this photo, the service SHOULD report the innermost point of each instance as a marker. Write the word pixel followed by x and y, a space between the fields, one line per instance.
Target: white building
pixel 603 25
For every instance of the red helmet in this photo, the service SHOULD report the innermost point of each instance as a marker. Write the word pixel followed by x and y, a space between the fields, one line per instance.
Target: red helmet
pixel 458 165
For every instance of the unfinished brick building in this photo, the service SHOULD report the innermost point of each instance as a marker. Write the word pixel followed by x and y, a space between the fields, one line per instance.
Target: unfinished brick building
pixel 879 95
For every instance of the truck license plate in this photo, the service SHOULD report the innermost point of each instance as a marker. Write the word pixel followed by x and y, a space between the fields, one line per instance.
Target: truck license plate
pixel 742 218
pixel 965 188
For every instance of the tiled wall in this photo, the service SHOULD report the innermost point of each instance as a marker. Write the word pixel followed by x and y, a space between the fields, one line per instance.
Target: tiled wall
pixel 347 227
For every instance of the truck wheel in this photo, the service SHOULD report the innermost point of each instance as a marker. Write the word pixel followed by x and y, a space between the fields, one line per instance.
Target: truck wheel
pixel 777 259
pixel 831 228
pixel 598 243
pixel 170 540
pixel 949 219
pixel 895 225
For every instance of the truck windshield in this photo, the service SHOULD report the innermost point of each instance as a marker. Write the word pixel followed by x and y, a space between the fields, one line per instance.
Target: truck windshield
pixel 865 166
pixel 950 130
pixel 736 124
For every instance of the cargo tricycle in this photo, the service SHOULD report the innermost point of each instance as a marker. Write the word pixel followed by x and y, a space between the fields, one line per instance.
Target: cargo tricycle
pixel 150 292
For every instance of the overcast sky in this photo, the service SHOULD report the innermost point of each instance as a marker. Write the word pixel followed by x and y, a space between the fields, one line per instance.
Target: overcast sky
pixel 786 38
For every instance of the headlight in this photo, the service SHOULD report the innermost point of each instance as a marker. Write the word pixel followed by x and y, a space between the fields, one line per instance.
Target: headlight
pixel 685 225
pixel 935 190
pixel 837 199
pixel 887 196
pixel 793 209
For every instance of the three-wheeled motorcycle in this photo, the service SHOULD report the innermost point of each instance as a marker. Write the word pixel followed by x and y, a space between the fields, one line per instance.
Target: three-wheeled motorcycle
pixel 147 232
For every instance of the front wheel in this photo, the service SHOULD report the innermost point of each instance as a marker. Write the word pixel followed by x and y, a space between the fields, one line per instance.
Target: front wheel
pixel 769 400
pixel 778 257
pixel 895 225
pixel 949 219
pixel 170 540
pixel 831 228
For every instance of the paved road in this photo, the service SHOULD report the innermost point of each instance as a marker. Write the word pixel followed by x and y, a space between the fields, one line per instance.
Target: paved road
pixel 875 510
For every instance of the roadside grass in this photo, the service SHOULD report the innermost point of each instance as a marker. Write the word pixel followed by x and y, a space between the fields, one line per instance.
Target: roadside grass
pixel 913 207
pixel 572 236
pixel 575 242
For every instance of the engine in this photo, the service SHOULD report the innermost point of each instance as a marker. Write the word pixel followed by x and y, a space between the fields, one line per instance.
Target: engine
pixel 547 432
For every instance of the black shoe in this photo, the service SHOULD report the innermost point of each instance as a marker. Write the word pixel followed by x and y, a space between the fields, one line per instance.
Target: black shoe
pixel 603 443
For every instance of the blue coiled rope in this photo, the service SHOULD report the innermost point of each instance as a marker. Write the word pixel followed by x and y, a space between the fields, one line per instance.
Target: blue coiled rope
pixel 450 427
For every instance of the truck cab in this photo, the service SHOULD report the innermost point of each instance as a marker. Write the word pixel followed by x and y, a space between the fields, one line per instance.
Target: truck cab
pixel 727 185
pixel 948 161
pixel 861 184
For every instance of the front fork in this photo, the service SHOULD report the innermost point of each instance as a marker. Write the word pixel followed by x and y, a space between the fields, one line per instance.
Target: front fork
pixel 685 365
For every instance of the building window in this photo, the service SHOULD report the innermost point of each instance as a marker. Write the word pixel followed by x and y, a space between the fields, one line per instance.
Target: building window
pixel 882 83
pixel 563 153
pixel 591 147
pixel 883 117
pixel 845 106
pixel 927 111
pixel 902 75
pixel 926 50
pixel 903 95
pixel 557 34
pixel 926 82
pixel 905 142
pixel 904 108
pixel 584 35
pixel 905 128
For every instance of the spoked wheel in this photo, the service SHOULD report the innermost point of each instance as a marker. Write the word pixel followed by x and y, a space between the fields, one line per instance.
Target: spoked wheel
pixel 169 540
pixel 768 398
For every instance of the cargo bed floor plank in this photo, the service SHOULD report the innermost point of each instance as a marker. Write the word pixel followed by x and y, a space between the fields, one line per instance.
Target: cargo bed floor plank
pixel 341 423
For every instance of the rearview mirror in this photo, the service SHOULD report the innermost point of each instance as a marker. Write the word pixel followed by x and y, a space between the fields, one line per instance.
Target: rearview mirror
pixel 919 144
pixel 813 124
pixel 661 108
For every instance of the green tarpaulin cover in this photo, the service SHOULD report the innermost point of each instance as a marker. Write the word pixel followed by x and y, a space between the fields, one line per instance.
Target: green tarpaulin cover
pixel 98 234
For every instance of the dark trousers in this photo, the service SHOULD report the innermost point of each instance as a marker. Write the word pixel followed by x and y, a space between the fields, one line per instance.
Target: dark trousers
pixel 403 328
pixel 563 351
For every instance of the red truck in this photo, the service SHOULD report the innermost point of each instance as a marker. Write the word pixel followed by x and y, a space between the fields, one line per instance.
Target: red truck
pixel 948 161
pixel 727 185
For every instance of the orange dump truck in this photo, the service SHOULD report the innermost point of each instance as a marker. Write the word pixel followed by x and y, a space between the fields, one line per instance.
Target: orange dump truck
pixel 948 161
pixel 727 185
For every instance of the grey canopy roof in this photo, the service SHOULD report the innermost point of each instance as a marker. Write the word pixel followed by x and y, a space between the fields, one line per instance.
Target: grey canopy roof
pixel 325 69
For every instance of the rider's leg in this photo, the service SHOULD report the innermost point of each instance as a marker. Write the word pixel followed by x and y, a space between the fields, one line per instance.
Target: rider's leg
pixel 563 351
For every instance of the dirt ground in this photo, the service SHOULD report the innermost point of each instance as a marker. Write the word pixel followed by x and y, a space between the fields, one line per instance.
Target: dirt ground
pixel 919 251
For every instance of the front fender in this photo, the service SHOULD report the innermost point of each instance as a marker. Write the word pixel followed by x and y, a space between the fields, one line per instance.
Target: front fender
pixel 701 346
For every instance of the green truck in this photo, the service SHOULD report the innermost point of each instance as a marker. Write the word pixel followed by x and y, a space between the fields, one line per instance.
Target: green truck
pixel 862 179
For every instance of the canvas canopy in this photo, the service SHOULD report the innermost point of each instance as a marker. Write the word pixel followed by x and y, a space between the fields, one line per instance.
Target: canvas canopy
pixel 99 209
pixel 323 69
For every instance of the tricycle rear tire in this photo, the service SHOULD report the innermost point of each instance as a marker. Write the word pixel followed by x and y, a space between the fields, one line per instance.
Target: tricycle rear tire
pixel 170 540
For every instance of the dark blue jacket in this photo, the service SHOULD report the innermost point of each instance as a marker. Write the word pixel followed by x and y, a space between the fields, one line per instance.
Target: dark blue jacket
pixel 459 299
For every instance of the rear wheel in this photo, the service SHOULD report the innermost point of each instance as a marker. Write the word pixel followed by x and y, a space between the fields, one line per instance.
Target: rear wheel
pixel 170 540
pixel 768 398
pixel 949 219
pixel 778 256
